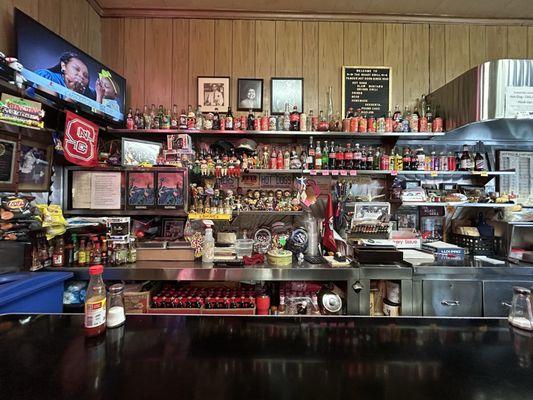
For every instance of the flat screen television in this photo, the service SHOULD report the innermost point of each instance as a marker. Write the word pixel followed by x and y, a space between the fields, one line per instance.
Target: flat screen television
pixel 53 65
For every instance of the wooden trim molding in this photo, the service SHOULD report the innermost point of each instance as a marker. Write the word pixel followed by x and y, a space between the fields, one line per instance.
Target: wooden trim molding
pixel 289 16
pixel 97 7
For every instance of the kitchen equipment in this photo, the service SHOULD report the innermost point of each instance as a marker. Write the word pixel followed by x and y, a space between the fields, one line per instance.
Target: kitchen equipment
pixel 330 299
pixel 244 247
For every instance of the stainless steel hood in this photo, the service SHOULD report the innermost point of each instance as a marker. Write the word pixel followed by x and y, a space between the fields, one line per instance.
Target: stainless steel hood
pixel 493 100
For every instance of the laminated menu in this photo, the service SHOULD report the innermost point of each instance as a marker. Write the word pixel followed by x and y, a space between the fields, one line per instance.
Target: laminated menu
pixel 96 190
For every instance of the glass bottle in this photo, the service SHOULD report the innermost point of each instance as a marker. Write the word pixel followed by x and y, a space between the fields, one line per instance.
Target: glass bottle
pixel 303 122
pixel 318 156
pixel 82 254
pixel 208 248
pixel 216 120
pixel 97 254
pixel 130 122
pixel 420 163
pixel 339 158
pixel 147 118
pixel 311 154
pixel 75 249
pixel 199 117
pixel 174 119
pixel 330 104
pixel 325 156
pixel 138 119
pixel 58 257
pixel 191 117
pixel 229 120
pixel 348 156
pixel 465 159
pixel 132 251
pixel 154 121
pixel 356 157
pixel 479 162
pixel 294 119
pixel 160 116
pixel 332 156
pixel 95 303
pixel 286 118
pixel 116 315
pixel 323 124
pixel 520 314
pixel 286 159
pixel 250 121
pixel 272 123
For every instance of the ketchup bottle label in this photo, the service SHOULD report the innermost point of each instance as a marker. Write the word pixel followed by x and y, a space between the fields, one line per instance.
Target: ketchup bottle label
pixel 95 312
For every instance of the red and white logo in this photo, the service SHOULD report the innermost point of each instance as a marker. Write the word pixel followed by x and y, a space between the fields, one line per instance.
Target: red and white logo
pixel 80 143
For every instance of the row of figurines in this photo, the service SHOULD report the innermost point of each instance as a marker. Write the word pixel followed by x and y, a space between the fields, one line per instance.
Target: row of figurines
pixel 216 201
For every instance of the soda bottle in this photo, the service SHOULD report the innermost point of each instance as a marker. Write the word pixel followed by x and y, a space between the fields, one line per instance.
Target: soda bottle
pixel 325 156
pixel 229 120
pixel 348 156
pixel 339 158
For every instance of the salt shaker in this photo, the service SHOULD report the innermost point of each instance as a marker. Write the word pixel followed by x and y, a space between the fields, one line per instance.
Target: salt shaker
pixel 115 310
pixel 521 315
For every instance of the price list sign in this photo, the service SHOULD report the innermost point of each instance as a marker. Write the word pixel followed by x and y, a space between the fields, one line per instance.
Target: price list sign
pixel 367 88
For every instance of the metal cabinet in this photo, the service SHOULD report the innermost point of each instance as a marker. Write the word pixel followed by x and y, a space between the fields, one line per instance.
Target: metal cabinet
pixel 452 298
pixel 497 296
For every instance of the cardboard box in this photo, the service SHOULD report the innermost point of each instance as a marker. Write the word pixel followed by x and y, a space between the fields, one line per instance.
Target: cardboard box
pixel 137 298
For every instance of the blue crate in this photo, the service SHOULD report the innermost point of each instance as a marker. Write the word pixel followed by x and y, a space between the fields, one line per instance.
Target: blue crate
pixel 32 292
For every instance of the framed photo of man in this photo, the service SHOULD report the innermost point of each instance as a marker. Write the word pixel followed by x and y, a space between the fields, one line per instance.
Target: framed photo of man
pixel 8 153
pixel 35 165
pixel 286 91
pixel 214 93
pixel 250 94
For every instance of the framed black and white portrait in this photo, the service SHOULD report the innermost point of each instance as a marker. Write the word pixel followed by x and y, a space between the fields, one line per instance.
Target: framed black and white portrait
pixel 286 91
pixel 250 94
pixel 213 93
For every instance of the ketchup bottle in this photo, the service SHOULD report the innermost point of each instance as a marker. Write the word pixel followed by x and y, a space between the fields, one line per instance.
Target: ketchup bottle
pixel 95 303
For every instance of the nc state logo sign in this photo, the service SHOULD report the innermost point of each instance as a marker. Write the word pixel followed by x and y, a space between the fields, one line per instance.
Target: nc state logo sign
pixel 80 141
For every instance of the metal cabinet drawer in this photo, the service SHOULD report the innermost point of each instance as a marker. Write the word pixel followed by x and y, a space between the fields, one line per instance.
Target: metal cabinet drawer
pixel 452 298
pixel 497 297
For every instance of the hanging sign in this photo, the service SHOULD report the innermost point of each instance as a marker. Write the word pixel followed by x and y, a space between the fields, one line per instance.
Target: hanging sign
pixel 366 88
pixel 80 143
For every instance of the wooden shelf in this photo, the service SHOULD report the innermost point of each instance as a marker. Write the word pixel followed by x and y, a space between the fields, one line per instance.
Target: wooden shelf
pixel 393 173
pixel 126 213
pixel 241 133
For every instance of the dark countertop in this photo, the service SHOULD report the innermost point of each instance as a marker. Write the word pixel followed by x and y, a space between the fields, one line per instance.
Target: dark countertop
pixel 154 357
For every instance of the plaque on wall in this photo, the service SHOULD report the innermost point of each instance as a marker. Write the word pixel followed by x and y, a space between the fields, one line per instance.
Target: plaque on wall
pixel 7 163
pixel 366 88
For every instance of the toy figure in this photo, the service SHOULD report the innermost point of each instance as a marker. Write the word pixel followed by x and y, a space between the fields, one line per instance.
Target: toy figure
pixel 244 161
pixel 278 205
pixel 210 166
pixel 203 167
pixel 17 66
pixel 208 121
pixel 295 201
pixel 269 203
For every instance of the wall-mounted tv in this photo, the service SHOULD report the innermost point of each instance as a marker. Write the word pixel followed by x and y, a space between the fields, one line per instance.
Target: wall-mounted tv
pixel 57 67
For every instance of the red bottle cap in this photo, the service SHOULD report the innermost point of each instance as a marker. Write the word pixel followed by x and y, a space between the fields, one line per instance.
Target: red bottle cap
pixel 96 269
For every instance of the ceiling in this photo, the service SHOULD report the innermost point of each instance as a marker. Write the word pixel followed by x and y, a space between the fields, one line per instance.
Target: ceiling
pixel 335 9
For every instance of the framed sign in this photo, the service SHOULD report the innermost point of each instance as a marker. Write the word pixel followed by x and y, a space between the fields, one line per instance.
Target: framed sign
pixel 35 165
pixel 141 190
pixel 521 182
pixel 366 88
pixel 171 189
pixel 136 152
pixel 286 91
pixel 213 93
pixel 250 94
pixel 7 163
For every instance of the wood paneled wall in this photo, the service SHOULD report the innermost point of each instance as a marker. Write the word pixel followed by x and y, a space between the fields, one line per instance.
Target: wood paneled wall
pixel 161 58
pixel 75 20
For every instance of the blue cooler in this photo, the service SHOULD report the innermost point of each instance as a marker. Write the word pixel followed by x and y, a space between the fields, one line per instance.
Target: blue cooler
pixel 32 292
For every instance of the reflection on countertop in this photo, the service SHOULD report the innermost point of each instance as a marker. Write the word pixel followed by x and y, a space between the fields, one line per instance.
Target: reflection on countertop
pixel 266 358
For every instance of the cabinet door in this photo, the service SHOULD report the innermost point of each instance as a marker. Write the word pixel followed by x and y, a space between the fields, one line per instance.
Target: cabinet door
pixel 497 297
pixel 452 298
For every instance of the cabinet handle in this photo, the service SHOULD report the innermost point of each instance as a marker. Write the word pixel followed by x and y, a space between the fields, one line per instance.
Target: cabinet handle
pixel 357 287
pixel 505 304
pixel 450 303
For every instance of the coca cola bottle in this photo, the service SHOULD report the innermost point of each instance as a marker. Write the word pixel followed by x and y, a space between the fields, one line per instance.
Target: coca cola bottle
pixel 294 119
pixel 348 157
pixel 332 156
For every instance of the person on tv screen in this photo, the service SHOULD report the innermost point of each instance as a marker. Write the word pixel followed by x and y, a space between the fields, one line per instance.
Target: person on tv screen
pixel 107 90
pixel 70 72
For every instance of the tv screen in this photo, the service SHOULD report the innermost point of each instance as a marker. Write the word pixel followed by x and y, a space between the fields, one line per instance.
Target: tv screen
pixel 53 65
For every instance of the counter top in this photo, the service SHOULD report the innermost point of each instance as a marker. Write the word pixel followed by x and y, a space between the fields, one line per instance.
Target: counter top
pixel 197 271
pixel 265 358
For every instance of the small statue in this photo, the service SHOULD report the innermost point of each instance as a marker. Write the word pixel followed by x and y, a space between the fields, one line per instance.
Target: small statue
pixel 286 200
pixel 208 121
pixel 269 203
pixel 210 166
pixel 17 66
pixel 203 167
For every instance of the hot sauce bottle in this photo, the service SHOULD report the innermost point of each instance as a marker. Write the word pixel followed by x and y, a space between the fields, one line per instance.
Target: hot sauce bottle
pixel 95 303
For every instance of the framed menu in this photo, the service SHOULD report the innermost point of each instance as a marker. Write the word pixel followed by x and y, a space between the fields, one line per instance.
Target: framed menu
pixel 366 88
pixel 96 190
pixel 521 182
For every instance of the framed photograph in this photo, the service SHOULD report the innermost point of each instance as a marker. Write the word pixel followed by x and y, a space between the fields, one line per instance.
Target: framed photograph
pixel 431 228
pixel 136 152
pixel 171 189
pixel 407 217
pixel 371 211
pixel 214 92
pixel 35 164
pixel 8 152
pixel 286 91
pixel 172 229
pixel 141 190
pixel 250 94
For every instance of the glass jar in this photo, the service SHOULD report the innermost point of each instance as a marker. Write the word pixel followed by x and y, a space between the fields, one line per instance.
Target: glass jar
pixel 521 315
pixel 116 315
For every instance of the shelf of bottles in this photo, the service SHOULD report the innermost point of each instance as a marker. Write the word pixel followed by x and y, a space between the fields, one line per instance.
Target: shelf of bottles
pixel 455 204
pixel 327 172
